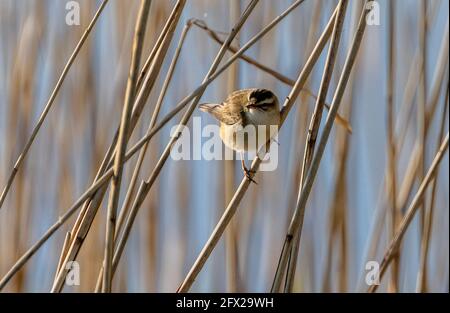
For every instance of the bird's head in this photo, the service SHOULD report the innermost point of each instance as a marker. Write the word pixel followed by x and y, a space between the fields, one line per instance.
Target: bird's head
pixel 261 100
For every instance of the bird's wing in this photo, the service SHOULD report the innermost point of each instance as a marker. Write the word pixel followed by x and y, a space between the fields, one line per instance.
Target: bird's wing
pixel 229 113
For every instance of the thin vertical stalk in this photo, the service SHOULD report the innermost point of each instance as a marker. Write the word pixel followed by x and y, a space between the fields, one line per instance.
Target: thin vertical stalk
pixel 421 103
pixel 64 250
pixel 391 157
pixel 302 119
pixel 322 41
pixel 130 93
pixel 312 137
pixel 338 207
pixel 296 221
pixel 231 239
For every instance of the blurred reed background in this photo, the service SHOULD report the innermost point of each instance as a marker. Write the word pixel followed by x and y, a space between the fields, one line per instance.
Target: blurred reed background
pixel 365 185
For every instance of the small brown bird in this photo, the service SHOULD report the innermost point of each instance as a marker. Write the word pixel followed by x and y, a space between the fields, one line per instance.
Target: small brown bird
pixel 243 108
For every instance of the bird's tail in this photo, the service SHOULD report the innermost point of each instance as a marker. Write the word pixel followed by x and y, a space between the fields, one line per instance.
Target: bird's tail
pixel 207 107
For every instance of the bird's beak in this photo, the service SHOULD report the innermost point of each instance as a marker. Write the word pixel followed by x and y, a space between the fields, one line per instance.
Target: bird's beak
pixel 250 104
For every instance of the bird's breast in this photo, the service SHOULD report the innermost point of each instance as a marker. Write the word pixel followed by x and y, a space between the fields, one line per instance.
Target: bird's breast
pixel 240 138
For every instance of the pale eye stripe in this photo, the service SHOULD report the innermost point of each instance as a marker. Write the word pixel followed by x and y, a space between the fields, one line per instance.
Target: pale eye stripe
pixel 265 101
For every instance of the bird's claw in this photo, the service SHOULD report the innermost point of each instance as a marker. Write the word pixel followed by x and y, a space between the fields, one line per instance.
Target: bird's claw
pixel 248 173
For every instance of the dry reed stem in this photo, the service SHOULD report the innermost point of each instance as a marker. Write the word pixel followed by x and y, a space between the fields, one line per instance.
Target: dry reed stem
pixel 391 148
pixel 311 141
pixel 50 102
pixel 303 115
pixel 232 206
pixel 164 32
pixel 116 180
pixel 421 105
pixel 338 207
pixel 232 235
pixel 157 61
pixel 65 249
pixel 413 207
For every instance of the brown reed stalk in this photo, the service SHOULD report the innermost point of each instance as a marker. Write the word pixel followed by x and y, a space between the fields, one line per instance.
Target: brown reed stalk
pixel 412 209
pixel 338 207
pixel 130 93
pixel 391 148
pixel 303 118
pixel 421 105
pixel 63 254
pixel 165 31
pixel 311 141
pixel 338 215
pixel 232 239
